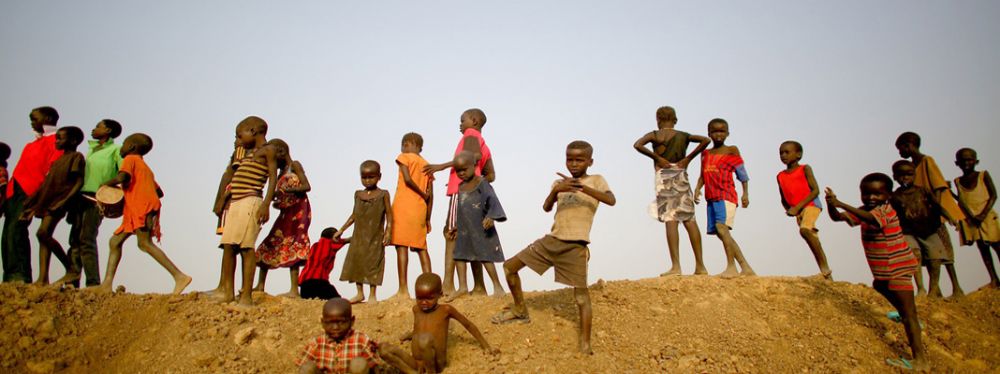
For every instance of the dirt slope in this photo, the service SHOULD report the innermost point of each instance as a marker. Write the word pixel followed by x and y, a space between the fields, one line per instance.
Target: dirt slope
pixel 679 324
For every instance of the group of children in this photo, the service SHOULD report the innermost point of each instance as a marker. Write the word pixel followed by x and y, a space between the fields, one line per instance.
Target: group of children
pixel 901 229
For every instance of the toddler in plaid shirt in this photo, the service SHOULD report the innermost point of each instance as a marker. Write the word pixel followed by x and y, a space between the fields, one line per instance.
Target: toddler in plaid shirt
pixel 340 349
pixel 717 167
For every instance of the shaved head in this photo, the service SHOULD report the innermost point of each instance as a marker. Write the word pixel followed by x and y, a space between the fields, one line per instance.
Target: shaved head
pixel 337 307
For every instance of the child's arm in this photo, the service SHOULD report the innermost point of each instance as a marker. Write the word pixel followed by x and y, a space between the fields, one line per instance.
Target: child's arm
pixel 697 188
pixel 746 197
pixel 430 202
pixel 640 145
pixel 304 185
pixel 703 143
pixel 564 185
pixel 406 336
pixel 410 183
pixel 387 236
pixel 72 192
pixel 784 203
pixel 454 313
pixel 835 215
pixel 606 197
pixel 220 195
pixel 121 179
pixel 350 221
pixel 813 193
pixel 489 173
pixel 264 212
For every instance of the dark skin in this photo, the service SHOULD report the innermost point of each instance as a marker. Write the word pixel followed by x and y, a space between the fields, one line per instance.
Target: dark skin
pixel 337 321
pixel 402 254
pixel 908 149
pixel 47 245
pixel 577 162
pixel 658 139
pixel 222 201
pixel 465 168
pixel 873 195
pixel 905 175
pixel 429 337
pixel 304 187
pixel 967 161
pixel 469 144
pixel 790 156
pixel 369 179
pixel 718 132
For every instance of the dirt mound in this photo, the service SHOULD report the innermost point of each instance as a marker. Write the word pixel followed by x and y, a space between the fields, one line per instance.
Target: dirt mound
pixel 685 324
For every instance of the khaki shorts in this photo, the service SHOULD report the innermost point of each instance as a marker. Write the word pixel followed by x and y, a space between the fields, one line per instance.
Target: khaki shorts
pixel 929 248
pixel 241 226
pixel 807 217
pixel 569 258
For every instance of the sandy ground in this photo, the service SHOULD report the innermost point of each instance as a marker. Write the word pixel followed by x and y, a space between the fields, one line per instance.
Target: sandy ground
pixel 679 324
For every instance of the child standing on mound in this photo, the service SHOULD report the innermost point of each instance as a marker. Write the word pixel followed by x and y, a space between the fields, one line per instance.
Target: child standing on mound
pixel 372 220
pixel 477 208
pixel 920 217
pixel 674 201
pixel 287 245
pixel 976 196
pixel 890 259
pixel 141 215
pixel 429 346
pixel 800 197
pixel 717 167
pixel 471 126
pixel 929 176
pixel 314 280
pixel 565 247
pixel 411 209
pixel 340 349
pixel 55 198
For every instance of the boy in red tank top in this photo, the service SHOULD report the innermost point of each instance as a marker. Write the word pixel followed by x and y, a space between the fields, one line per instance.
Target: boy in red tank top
pixel 800 197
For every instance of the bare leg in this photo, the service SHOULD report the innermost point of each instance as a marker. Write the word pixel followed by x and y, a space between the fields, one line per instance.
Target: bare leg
pixel 249 266
pixel 428 359
pixel 491 269
pixel 261 279
pixel 817 250
pixel 582 297
pixel 694 234
pixel 956 289
pixel 402 262
pixel 934 273
pixel 181 280
pixel 360 296
pixel 114 258
pixel 730 243
pixel 673 246
pixel 48 246
pixel 449 267
pixel 397 358
pixel 904 303
pixel 984 252
pixel 228 276
pixel 510 269
pixel 371 293
pixel 425 261
pixel 918 276
pixel 358 365
pixel 479 286
pixel 462 280
pixel 731 271
pixel 293 280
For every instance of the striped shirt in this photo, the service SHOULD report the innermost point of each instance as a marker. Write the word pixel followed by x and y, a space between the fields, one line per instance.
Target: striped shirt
pixel 717 174
pixel 332 356
pixel 321 259
pixel 249 179
pixel 888 254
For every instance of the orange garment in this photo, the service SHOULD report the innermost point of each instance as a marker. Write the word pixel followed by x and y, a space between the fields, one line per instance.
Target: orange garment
pixel 140 196
pixel 928 176
pixel 409 210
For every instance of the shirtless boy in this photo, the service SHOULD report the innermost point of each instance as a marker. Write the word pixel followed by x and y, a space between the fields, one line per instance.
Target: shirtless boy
pixel 429 346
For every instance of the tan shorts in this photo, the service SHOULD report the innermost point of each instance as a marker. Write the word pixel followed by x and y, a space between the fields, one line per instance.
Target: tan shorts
pixel 241 226
pixel 807 217
pixel 569 258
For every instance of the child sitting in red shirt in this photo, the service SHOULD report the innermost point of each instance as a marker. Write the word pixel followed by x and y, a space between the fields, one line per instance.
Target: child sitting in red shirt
pixel 314 280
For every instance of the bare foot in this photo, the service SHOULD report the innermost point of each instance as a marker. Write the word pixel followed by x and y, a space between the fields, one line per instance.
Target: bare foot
pixel 729 273
pixel 828 274
pixel 748 272
pixel 259 288
pixel 457 294
pixel 672 272
pixel 245 301
pixel 700 270
pixel 291 295
pixel 405 295
pixel 935 294
pixel 498 292
pixel 921 292
pixel 180 283
pixel 585 347
pixel 41 281
pixel 220 297
pixel 103 288
pixel 478 291
pixel 358 299
pixel 68 278
pixel 957 294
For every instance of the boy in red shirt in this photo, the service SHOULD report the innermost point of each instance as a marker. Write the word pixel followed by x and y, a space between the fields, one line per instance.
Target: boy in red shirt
pixel 800 197
pixel 314 279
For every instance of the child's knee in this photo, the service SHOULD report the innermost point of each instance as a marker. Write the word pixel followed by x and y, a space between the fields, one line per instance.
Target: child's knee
pixel 358 365
pixel 581 296
pixel 43 235
pixel 721 228
pixel 806 232
pixel 512 266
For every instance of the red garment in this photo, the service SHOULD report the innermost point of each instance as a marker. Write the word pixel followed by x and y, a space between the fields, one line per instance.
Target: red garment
pixel 141 198
pixel 321 259
pixel 332 356
pixel 794 186
pixel 36 159
pixel 888 255
pixel 453 180
pixel 717 174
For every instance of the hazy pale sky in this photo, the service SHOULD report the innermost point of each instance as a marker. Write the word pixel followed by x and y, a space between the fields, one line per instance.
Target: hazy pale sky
pixel 342 82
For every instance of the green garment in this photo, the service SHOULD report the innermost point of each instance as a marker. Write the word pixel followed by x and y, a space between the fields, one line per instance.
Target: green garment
pixel 103 162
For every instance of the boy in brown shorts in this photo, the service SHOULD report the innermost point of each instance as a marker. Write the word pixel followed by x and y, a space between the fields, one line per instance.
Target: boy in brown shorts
pixel 565 247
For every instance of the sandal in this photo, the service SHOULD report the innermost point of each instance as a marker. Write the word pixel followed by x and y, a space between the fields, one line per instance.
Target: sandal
pixel 901 363
pixel 507 316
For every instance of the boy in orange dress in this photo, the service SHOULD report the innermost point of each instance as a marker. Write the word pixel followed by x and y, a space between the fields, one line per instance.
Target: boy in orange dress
pixel 411 209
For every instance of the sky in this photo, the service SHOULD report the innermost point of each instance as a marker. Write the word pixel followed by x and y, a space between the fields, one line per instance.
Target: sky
pixel 342 82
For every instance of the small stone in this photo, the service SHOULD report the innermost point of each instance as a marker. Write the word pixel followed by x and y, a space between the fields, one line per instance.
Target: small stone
pixel 243 336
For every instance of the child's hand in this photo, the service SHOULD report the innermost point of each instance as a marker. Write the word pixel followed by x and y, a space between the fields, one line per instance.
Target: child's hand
pixel 336 237
pixel 683 163
pixel 451 234
pixel 428 224
pixel 697 196
pixel 386 238
pixel 746 200
pixel 487 223
pixel 263 213
pixel 27 215
pixel 662 163
pixel 432 168
pixel 831 198
pixel 793 211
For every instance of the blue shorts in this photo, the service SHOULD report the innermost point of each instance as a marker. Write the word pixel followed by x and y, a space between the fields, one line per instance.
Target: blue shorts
pixel 721 211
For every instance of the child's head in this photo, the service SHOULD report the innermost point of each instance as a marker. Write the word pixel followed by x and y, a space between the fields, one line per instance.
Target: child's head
pixel 904 172
pixel 137 144
pixel 966 159
pixel 371 173
pixel 106 129
pixel 465 165
pixel 249 128
pixel 790 152
pixel 428 291
pixel 337 318
pixel 579 157
pixel 328 233
pixel 412 143
pixel 4 154
pixel 68 138
pixel 718 130
pixel 472 119
pixel 875 190
pixel 666 117
pixel 41 116
pixel 281 152
pixel 908 144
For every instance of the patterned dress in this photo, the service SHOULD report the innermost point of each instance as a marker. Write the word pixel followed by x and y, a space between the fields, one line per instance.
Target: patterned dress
pixel 288 242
